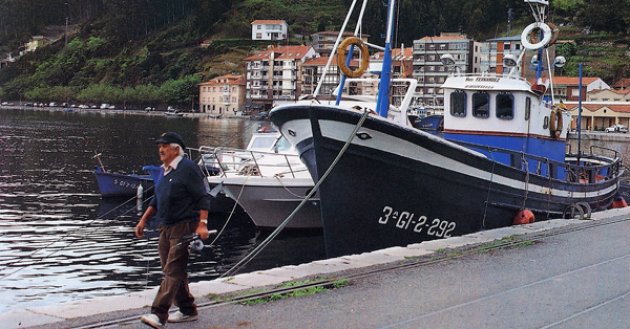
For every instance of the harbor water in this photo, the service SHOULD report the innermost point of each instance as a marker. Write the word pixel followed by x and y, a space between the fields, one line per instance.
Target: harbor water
pixel 60 241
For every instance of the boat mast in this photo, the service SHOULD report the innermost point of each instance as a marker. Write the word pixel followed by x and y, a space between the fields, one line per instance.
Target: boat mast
pixel 382 105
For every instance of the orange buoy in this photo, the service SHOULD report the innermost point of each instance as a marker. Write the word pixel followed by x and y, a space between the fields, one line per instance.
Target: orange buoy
pixel 619 202
pixel 524 216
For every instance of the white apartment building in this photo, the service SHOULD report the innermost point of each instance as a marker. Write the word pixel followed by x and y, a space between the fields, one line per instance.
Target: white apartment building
pixel 269 30
pixel 275 74
pixel 429 70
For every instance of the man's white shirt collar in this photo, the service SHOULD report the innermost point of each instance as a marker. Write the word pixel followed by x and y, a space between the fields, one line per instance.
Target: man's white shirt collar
pixel 173 165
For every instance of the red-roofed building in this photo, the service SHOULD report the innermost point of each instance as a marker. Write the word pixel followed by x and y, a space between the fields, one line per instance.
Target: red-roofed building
pixel 608 95
pixel 274 74
pixel 622 84
pixel 599 116
pixel 566 88
pixel 224 95
pixel 269 29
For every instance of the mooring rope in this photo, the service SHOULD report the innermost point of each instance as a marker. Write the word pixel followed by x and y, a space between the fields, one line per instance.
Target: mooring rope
pixel 280 227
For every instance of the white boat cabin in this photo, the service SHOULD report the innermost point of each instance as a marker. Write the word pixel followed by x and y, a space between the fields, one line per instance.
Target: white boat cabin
pixel 493 111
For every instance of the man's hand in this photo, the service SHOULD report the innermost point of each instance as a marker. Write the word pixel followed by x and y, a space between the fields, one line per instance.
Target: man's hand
pixel 139 229
pixel 202 231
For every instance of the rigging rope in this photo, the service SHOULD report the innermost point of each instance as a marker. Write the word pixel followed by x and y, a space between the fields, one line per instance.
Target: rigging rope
pixel 280 227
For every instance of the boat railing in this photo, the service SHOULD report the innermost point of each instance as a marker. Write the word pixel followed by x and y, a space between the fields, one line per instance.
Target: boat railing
pixel 590 168
pixel 241 162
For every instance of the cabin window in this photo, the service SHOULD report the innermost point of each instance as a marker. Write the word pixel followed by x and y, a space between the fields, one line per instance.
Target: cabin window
pixel 458 103
pixel 481 105
pixel 546 123
pixel 528 108
pixel 505 106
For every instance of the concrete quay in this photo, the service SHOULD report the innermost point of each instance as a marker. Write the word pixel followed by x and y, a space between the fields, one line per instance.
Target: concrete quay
pixel 556 274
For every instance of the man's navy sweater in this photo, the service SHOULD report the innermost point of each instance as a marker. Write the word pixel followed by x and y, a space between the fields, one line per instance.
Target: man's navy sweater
pixel 180 194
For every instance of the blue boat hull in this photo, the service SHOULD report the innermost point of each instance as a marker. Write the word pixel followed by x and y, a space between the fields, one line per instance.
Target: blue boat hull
pixel 119 185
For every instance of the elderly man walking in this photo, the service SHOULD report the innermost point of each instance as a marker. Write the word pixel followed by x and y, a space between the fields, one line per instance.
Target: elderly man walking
pixel 181 202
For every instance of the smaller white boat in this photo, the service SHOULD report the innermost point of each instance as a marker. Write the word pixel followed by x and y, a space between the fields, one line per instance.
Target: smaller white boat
pixel 267 180
pixel 171 112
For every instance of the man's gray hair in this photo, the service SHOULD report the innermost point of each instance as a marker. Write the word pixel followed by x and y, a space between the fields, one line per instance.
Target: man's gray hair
pixel 177 146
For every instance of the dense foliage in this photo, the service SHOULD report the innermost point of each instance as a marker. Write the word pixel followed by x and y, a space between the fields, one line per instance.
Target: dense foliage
pixel 148 51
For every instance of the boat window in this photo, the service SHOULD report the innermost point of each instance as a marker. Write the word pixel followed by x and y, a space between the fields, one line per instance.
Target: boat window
pixel 262 143
pixel 458 103
pixel 528 107
pixel 481 104
pixel 546 123
pixel 282 145
pixel 505 106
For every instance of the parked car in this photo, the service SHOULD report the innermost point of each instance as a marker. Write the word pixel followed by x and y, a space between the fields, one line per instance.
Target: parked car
pixel 617 129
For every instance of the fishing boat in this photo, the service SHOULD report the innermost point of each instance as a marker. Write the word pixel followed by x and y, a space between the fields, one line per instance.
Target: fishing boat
pixel 111 184
pixel 501 157
pixel 268 180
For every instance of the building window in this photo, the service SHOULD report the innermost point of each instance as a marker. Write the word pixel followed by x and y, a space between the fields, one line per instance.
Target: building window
pixel 481 105
pixel 458 103
pixel 505 106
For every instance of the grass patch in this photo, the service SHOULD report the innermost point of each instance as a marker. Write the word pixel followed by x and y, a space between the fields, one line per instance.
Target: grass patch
pixel 506 242
pixel 300 292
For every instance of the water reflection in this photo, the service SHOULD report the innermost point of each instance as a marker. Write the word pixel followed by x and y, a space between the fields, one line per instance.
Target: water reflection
pixel 60 241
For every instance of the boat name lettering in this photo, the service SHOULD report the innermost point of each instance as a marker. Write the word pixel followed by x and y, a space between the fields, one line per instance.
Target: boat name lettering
pixel 478 87
pixel 124 183
pixel 405 220
pixel 486 79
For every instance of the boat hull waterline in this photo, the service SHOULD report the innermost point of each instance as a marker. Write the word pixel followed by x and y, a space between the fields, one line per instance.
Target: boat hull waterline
pixel 397 186
pixel 270 201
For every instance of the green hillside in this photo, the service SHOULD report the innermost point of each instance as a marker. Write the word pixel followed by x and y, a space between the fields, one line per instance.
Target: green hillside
pixel 141 52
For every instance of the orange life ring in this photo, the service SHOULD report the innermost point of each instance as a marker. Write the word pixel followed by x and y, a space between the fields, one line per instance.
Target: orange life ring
pixel 555 124
pixel 342 52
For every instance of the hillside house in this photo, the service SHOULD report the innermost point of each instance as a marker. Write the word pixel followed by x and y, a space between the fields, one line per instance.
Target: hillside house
pixel 269 30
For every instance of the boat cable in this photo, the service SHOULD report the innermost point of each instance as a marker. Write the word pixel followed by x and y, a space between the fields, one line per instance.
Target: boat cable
pixel 485 208
pixel 232 212
pixel 63 237
pixel 548 194
pixel 526 164
pixel 284 223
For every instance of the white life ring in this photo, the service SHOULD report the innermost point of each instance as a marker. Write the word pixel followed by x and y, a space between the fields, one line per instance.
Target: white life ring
pixel 533 27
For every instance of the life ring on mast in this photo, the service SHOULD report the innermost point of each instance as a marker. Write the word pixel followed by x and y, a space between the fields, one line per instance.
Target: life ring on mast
pixel 342 52
pixel 555 123
pixel 532 28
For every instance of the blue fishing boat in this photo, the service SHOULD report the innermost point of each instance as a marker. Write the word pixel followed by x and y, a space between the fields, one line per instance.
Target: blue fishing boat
pixel 121 185
pixel 501 157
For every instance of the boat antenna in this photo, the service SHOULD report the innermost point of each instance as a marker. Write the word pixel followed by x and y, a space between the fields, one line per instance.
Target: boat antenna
pixel 382 105
pixel 579 118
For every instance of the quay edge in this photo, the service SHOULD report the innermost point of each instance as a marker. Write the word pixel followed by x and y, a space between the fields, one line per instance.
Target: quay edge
pixel 84 312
